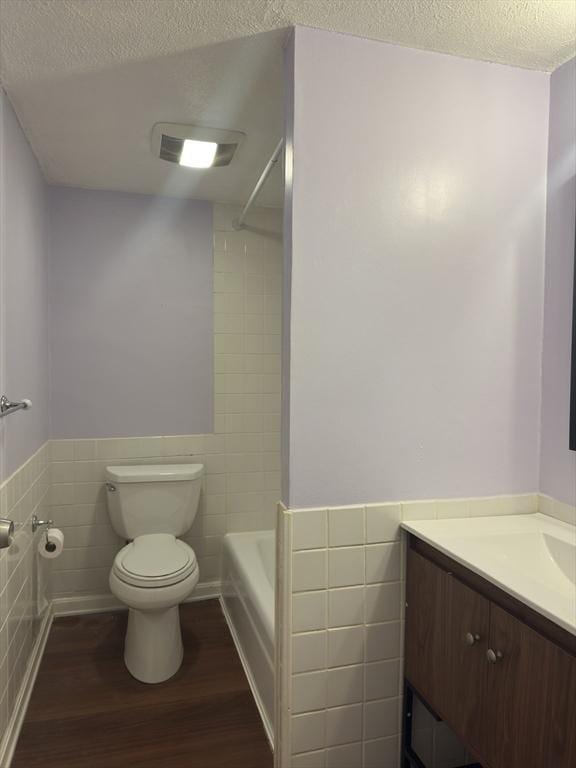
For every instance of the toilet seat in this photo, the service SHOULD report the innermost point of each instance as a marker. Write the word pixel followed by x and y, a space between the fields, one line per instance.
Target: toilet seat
pixel 155 560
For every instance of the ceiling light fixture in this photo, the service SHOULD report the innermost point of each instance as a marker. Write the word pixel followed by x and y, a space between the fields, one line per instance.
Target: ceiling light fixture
pixel 193 146
pixel 198 154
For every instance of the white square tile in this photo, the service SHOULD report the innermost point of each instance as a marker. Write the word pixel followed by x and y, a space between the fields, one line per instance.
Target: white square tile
pixel 62 450
pixel 381 718
pixel 382 603
pixel 344 725
pixel 308 732
pixel 346 526
pixel 523 504
pixel 309 760
pixel 490 506
pixel 419 510
pixel 383 523
pixel 84 450
pixel 382 680
pixel 382 753
pixel 382 563
pixel 452 508
pixel 383 641
pixel 309 570
pixel 309 651
pixel 63 471
pixel 309 611
pixel 308 692
pixel 345 646
pixel 346 567
pixel 309 529
pixel 345 685
pixel 345 606
pixel 346 756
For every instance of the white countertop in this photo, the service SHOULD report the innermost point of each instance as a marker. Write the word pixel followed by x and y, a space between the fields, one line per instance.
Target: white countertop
pixel 532 557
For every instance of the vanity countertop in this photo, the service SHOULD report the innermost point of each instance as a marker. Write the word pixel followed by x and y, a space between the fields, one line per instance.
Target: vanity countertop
pixel 531 557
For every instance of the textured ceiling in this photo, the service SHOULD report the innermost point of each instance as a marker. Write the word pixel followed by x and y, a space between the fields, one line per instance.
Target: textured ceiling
pixel 88 78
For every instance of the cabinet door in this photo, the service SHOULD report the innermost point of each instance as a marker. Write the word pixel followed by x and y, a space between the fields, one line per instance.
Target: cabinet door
pixel 530 698
pixel 468 623
pixel 425 629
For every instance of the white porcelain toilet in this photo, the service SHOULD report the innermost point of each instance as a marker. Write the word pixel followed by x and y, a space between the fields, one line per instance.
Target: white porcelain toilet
pixel 150 506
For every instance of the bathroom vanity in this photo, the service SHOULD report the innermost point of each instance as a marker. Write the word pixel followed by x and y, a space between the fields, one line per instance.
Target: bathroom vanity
pixel 491 636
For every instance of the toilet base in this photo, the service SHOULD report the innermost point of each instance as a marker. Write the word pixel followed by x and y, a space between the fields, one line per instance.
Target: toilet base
pixel 153 649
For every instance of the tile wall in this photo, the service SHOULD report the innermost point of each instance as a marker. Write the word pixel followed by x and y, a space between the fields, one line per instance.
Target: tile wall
pixel 242 459
pixel 342 638
pixel 23 586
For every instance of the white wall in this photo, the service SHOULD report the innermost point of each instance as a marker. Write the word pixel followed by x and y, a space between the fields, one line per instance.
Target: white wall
pixel 417 273
pixel 558 463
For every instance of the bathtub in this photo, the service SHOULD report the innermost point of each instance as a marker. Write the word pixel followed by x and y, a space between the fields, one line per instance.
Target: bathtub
pixel 248 576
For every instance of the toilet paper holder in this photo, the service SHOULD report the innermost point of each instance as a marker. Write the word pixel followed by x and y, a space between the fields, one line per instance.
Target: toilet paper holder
pixel 36 523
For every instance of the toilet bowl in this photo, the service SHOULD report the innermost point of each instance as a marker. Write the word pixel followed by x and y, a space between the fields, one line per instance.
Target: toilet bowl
pixel 155 571
pixel 152 576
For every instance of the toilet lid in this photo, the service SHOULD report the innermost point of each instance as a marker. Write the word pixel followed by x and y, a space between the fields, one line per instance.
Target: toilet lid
pixel 155 559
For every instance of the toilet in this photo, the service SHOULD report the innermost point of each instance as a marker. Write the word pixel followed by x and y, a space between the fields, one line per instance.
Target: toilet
pixel 151 506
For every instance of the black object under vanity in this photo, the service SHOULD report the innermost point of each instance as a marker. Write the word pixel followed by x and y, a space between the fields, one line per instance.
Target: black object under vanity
pixel 424 733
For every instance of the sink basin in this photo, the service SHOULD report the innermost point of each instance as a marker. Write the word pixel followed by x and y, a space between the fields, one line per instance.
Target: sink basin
pixel 532 557
pixel 563 554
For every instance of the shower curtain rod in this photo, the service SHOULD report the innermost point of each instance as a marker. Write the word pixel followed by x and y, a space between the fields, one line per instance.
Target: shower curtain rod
pixel 239 222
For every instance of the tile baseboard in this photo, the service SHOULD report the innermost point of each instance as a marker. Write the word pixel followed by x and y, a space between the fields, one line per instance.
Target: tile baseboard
pixel 80 604
pixel 10 738
pixel 559 510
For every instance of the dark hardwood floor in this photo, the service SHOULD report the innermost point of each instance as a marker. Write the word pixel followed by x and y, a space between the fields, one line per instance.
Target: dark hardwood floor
pixel 86 711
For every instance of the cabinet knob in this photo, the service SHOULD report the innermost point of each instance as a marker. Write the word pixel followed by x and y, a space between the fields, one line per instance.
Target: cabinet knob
pixel 471 639
pixel 493 656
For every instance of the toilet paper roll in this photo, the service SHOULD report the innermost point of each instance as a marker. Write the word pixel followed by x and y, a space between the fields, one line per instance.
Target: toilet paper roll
pixel 51 543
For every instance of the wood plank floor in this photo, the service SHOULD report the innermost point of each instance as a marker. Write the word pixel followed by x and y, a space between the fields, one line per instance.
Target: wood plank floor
pixel 86 710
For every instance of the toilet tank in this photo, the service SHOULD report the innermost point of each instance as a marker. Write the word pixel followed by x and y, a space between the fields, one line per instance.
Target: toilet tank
pixel 158 498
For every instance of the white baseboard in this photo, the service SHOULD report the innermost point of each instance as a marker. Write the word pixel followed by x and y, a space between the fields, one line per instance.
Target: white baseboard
pixel 248 672
pixel 79 604
pixel 10 739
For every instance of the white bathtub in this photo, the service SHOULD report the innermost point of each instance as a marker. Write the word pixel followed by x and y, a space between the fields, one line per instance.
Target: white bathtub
pixel 248 577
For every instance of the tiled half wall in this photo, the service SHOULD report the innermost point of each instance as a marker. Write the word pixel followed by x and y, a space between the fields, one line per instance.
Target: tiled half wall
pixel 24 595
pixel 340 628
pixel 242 460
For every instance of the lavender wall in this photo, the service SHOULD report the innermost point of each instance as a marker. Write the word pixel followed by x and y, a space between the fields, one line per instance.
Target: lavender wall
pixel 131 330
pixel 417 273
pixel 23 293
pixel 558 464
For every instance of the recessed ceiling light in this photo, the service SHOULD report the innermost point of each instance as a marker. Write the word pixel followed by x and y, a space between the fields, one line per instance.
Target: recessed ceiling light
pixel 198 154
pixel 193 146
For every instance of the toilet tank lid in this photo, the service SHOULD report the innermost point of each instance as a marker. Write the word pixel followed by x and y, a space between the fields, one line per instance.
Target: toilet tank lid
pixel 154 473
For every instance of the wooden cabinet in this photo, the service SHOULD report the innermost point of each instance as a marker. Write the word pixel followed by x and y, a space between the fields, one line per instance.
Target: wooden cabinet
pixel 504 687
pixel 531 698
pixel 468 621
pixel 426 641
